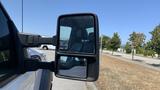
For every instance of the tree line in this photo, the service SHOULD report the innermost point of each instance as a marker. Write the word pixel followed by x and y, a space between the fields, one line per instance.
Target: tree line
pixel 135 42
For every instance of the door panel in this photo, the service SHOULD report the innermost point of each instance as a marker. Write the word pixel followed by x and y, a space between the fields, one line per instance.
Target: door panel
pixel 23 82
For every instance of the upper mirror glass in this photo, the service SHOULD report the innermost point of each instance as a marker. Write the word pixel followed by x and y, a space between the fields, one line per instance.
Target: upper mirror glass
pixel 77 34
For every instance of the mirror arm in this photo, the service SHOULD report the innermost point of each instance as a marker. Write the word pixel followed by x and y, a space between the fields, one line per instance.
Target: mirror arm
pixel 31 40
pixel 48 40
pixel 35 64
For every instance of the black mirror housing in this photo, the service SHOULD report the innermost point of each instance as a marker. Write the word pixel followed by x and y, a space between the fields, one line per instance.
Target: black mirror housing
pixel 77 47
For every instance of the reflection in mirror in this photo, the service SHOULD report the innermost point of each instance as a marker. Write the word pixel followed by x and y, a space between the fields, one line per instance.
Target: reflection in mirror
pixel 4 32
pixel 72 66
pixel 77 34
pixel 6 65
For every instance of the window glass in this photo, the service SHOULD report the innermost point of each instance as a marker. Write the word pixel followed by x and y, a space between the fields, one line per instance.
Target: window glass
pixel 64 36
pixel 90 30
pixel 3 25
pixel 4 45
pixel 4 42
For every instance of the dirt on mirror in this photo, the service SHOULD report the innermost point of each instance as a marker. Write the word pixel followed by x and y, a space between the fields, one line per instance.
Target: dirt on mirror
pixel 116 74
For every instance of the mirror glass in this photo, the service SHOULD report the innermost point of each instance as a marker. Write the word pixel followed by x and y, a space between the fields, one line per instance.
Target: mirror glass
pixel 77 34
pixel 72 66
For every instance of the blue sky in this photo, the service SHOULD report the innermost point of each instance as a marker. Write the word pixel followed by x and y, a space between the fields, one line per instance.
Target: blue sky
pixel 122 16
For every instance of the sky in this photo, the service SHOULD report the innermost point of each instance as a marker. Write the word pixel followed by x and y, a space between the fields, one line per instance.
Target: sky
pixel 122 16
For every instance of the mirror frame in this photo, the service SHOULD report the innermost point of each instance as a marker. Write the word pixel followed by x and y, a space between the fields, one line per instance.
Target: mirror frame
pixel 92 65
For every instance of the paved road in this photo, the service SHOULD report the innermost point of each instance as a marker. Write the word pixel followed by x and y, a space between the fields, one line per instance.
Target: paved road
pixel 64 84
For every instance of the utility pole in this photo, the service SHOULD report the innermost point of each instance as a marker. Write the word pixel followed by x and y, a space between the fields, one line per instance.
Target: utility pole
pixel 132 51
pixel 101 43
pixel 132 54
pixel 101 47
pixel 22 16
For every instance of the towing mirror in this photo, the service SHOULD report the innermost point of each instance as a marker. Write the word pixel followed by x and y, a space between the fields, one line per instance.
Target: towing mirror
pixel 77 49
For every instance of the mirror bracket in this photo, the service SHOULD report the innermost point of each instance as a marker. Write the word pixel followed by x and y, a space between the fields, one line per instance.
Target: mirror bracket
pixel 35 64
pixel 48 40
pixel 30 40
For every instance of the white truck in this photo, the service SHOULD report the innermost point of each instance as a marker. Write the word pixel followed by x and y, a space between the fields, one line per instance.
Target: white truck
pixel 47 47
pixel 36 80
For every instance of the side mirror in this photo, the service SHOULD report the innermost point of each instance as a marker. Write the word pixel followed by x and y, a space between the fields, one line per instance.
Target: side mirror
pixel 77 49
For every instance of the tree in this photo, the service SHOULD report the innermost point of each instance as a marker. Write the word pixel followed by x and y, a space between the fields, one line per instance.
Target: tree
pixel 155 40
pixel 148 50
pixel 105 42
pixel 148 45
pixel 115 42
pixel 128 47
pixel 137 41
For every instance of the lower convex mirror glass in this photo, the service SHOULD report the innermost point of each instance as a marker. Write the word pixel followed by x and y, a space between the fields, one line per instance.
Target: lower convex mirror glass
pixel 72 67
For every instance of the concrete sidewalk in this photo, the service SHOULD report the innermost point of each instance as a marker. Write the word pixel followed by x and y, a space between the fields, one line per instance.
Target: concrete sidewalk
pixel 147 60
